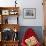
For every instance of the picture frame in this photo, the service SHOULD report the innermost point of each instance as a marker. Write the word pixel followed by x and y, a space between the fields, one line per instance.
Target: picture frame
pixel 5 12
pixel 29 13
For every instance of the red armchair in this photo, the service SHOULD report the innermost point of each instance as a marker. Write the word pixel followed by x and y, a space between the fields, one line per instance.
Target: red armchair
pixel 30 34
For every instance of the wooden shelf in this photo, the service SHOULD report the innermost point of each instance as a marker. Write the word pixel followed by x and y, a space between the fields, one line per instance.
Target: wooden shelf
pixel 5 12
pixel 11 26
pixel 9 9
pixel 9 43
pixel 4 24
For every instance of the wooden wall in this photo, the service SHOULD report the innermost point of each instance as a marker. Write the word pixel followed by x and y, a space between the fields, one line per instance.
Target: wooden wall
pixel 44 6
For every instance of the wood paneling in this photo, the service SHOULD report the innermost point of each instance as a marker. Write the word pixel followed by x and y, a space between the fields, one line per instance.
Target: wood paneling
pixel 44 6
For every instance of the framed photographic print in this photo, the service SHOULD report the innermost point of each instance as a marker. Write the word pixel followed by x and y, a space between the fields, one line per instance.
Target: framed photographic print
pixel 5 12
pixel 29 13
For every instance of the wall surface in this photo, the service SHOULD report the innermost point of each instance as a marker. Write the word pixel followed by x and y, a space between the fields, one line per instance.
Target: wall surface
pixel 39 13
pixel 27 4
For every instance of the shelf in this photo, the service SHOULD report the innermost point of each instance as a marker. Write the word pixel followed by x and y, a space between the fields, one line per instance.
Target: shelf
pixel 10 26
pixel 9 10
pixel 9 20
pixel 11 41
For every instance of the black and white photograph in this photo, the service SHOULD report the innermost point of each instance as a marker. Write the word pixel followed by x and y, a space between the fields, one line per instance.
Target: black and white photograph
pixel 29 13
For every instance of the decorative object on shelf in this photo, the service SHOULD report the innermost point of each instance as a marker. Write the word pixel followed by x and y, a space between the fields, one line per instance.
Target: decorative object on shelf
pixel 29 13
pixel 13 12
pixel 5 12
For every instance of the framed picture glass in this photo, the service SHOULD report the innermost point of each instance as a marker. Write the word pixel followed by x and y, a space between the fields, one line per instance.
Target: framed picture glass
pixel 5 12
pixel 29 13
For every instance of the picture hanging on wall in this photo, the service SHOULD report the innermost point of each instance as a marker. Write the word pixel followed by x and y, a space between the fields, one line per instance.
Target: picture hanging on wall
pixel 29 13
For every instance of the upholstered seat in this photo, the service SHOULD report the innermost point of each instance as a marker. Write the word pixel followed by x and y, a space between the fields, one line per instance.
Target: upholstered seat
pixel 29 36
